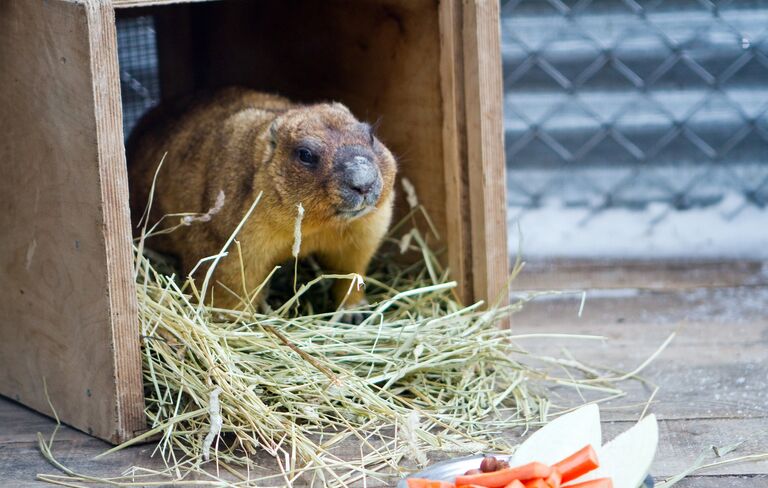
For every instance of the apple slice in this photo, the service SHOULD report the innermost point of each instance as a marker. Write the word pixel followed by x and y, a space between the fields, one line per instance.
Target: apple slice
pixel 627 458
pixel 561 437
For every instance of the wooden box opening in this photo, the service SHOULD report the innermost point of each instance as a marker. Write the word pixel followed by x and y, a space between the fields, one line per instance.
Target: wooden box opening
pixel 400 63
pixel 429 70
pixel 381 59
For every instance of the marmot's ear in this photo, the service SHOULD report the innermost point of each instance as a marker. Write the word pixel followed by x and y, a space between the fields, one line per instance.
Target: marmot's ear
pixel 341 106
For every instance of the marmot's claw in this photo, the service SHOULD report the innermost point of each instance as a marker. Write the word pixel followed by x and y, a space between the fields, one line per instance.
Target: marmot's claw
pixel 352 317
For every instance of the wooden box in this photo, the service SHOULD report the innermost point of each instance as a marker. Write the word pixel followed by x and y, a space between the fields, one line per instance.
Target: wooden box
pixel 429 69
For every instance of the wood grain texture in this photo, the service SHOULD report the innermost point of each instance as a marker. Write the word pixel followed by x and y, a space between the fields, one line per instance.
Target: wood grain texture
pixel 485 148
pixel 758 481
pixel 457 212
pixel 580 274
pixel 716 367
pixel 67 301
pixel 116 231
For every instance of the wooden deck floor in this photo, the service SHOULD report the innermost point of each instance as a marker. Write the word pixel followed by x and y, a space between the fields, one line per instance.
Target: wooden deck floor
pixel 713 380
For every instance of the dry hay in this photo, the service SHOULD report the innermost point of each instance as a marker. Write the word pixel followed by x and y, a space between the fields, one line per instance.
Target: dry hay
pixel 331 404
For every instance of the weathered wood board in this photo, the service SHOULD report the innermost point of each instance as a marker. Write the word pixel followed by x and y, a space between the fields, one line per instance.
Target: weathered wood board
pixel 716 367
pixel 573 274
pixel 67 301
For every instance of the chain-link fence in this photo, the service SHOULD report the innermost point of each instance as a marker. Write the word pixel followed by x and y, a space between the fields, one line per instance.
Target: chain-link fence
pixel 625 102
pixel 139 78
pixel 629 104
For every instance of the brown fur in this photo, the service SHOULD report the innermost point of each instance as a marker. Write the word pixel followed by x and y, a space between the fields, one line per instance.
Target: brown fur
pixel 242 142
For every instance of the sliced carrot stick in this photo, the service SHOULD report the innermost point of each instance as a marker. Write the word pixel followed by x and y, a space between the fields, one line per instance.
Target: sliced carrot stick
pixel 598 483
pixel 515 484
pixel 582 461
pixel 503 477
pixel 440 484
pixel 417 482
pixel 425 483
pixel 555 479
pixel 537 483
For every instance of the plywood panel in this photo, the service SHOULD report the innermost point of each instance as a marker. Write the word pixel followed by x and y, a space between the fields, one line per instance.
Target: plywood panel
pixel 67 302
pixel 456 170
pixel 485 148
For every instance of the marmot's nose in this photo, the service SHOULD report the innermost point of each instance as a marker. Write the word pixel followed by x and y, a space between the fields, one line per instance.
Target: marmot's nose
pixel 358 176
pixel 361 175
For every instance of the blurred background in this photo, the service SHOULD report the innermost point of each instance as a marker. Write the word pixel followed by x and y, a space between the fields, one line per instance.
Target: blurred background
pixel 637 129
pixel 636 132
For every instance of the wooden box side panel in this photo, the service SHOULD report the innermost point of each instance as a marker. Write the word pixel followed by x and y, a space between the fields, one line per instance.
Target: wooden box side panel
pixel 485 149
pixel 475 178
pixel 457 198
pixel 67 302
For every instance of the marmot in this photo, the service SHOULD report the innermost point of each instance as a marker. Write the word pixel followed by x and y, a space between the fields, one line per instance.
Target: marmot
pixel 221 151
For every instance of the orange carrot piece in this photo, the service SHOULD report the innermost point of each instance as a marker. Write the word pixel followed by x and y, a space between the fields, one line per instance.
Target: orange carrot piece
pixel 515 484
pixel 503 477
pixel 425 483
pixel 582 461
pixel 555 479
pixel 598 483
pixel 537 483
pixel 417 482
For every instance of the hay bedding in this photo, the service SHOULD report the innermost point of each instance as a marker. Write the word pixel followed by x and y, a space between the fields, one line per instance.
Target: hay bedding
pixel 284 394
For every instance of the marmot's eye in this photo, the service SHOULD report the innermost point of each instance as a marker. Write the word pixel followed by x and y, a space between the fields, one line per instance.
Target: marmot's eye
pixel 306 156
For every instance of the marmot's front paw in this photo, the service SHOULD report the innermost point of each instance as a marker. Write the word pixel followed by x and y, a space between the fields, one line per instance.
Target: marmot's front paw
pixel 351 316
pixel 354 318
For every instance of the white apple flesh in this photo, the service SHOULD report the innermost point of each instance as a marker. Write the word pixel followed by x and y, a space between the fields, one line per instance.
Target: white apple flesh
pixel 627 458
pixel 561 437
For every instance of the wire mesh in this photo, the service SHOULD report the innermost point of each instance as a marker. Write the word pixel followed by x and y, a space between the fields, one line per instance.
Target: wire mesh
pixel 139 78
pixel 625 103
